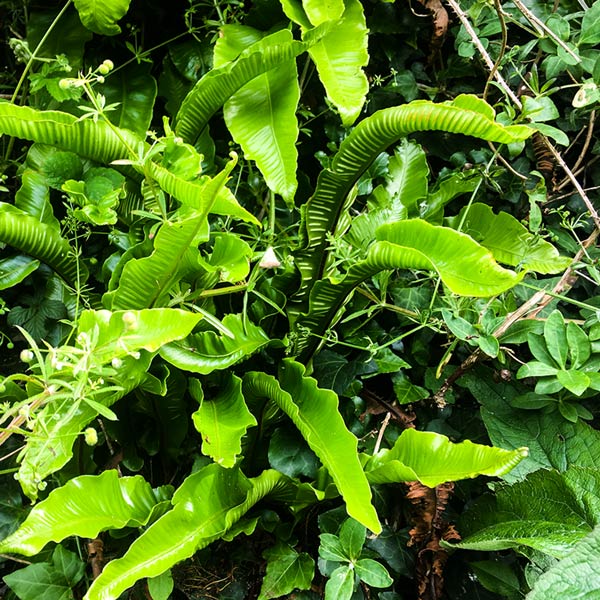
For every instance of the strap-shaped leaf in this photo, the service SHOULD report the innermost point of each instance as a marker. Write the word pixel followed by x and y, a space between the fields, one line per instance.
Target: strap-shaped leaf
pixel 208 351
pixel 222 420
pixel 315 413
pixel 145 282
pixel 42 241
pixel 84 506
pixel 218 85
pixel 261 116
pixel 102 17
pixel 117 334
pixel 467 115
pixel 509 240
pixel 340 57
pixel 433 459
pixel 462 264
pixel 96 141
pixel 206 506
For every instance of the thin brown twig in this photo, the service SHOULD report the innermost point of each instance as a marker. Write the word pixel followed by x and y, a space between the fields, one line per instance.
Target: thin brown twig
pixel 482 51
pixel 587 141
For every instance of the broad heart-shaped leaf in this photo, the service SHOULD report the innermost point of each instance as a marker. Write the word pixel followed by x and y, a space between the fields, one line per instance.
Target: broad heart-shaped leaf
pixel 553 441
pixel 261 116
pixel 49 580
pixel 576 576
pixel 41 241
pixel 133 89
pixel 205 507
pixel 508 240
pixel 433 459
pixel 117 334
pixel 60 422
pixel 222 421
pixel 84 506
pixel 145 282
pixel 546 511
pixel 218 85
pixel 208 351
pixel 96 141
pixel 315 413
pixel 287 570
pixel 102 17
pixel 466 114
pixel 340 57
pixel 463 265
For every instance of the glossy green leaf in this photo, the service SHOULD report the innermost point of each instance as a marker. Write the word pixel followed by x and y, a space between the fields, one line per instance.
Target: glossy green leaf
pixel 261 116
pixel 102 17
pixel 33 198
pixel 208 351
pixel 340 57
pixel 15 269
pixel 207 504
pixel 41 241
pixel 509 240
pixel 542 512
pixel 407 178
pixel 576 576
pixel 84 506
pixel 96 141
pixel 463 265
pixel 330 548
pixel 555 336
pixel 145 282
pixel 287 570
pixel 222 420
pixel 120 333
pixel 133 89
pixel 589 25
pixel 218 85
pixel 315 413
pixel 573 380
pixel 226 204
pixel 445 190
pixel 49 580
pixel 372 573
pixel 231 257
pixel 352 538
pixel 553 442
pixel 161 586
pixel 433 459
pixel 59 423
pixel 579 345
pixel 319 11
pixel 340 584
pixel 466 114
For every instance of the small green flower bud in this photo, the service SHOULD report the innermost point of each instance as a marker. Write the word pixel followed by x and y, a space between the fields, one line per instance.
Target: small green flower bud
pixel 100 79
pixel 106 67
pixel 90 436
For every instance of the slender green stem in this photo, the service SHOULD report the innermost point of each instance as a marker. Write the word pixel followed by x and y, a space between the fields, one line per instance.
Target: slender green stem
pixel 37 49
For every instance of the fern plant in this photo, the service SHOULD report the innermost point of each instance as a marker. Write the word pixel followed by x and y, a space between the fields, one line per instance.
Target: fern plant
pixel 161 318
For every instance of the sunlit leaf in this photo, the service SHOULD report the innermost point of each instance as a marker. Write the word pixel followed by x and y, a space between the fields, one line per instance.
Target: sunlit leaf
pixel 222 420
pixel 84 506
pixel 433 459
pixel 315 413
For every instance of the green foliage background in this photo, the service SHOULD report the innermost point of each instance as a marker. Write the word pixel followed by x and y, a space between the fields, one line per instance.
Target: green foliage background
pixel 299 299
